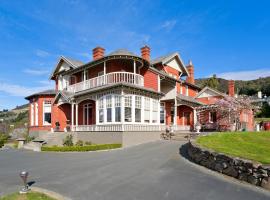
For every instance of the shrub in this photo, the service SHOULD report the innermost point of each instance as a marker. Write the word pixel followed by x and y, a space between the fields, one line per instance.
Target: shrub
pixel 79 143
pixel 82 148
pixel 88 143
pixel 3 139
pixel 68 141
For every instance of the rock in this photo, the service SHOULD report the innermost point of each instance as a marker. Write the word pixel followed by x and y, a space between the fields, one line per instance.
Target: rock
pixel 225 165
pixel 253 180
pixel 230 171
pixel 237 162
pixel 243 176
pixel 218 167
pixel 266 183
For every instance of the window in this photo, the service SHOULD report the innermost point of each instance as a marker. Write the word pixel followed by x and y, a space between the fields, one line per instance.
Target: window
pixel 47 107
pixel 101 78
pixel 162 113
pixel 128 104
pixel 36 114
pixel 155 111
pixel 138 106
pixel 100 110
pixel 117 105
pixel 187 92
pixel 32 115
pixel 212 117
pixel 84 73
pixel 109 108
pixel 147 109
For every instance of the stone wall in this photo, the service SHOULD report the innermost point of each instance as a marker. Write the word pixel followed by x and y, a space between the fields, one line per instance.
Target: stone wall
pixel 244 170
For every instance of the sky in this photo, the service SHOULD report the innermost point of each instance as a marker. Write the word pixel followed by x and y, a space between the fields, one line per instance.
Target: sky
pixel 227 38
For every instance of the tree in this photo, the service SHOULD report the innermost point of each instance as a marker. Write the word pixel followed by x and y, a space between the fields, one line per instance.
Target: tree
pixel 265 111
pixel 212 82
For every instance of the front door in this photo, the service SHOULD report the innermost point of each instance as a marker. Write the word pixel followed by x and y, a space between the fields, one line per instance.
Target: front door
pixel 87 114
pixel 186 117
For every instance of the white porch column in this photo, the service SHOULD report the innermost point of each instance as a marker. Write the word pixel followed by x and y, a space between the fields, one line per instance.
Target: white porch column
pixel 97 111
pixel 72 116
pixel 195 117
pixel 77 114
pixel 175 112
pixel 158 117
pixel 84 79
pixel 104 67
pixel 134 67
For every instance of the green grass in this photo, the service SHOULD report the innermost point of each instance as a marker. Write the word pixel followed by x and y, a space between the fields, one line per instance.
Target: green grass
pixel 81 148
pixel 248 145
pixel 28 196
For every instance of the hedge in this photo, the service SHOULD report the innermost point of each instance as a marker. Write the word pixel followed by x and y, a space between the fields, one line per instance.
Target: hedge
pixel 82 148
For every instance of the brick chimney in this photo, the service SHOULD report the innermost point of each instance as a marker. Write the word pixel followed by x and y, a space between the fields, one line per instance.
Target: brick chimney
pixel 145 53
pixel 190 68
pixel 98 53
pixel 231 88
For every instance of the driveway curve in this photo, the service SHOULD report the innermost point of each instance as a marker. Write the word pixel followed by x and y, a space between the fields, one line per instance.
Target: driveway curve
pixel 145 172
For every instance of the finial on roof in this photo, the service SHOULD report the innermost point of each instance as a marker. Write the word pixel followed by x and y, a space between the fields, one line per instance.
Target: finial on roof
pixel 190 62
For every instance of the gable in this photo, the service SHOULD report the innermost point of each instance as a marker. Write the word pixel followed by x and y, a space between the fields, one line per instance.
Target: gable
pixel 174 64
pixel 63 67
pixel 208 93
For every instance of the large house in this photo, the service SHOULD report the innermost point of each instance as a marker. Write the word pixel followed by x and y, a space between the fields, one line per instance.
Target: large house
pixel 119 97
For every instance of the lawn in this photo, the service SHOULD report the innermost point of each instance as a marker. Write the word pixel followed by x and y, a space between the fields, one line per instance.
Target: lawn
pixel 249 145
pixel 28 196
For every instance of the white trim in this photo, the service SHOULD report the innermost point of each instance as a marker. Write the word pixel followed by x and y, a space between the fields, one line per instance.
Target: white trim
pixel 32 115
pixel 72 116
pixel 77 107
pixel 36 114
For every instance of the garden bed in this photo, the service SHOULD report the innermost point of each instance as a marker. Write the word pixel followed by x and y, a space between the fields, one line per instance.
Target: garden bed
pixel 81 148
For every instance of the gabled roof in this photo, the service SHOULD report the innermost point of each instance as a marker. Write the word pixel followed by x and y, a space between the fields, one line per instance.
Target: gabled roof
pixel 212 90
pixel 66 96
pixel 168 58
pixel 189 99
pixel 46 92
pixel 70 61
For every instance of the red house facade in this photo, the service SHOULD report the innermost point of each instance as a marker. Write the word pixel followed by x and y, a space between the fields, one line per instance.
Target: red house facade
pixel 118 92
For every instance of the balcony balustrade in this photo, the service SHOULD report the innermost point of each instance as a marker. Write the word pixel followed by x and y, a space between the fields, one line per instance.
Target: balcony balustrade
pixel 107 79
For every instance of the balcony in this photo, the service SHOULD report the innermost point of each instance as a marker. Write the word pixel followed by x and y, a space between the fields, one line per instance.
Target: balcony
pixel 107 79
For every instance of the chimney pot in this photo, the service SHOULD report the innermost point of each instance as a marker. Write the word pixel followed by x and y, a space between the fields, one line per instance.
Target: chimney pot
pixel 98 53
pixel 145 53
pixel 190 68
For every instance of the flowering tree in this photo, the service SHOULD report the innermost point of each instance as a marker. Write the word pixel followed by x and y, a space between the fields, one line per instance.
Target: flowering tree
pixel 229 110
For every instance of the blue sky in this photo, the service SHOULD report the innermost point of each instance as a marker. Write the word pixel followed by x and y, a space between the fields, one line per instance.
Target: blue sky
pixel 227 38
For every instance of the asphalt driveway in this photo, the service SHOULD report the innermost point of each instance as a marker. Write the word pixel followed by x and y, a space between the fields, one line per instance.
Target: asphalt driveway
pixel 145 172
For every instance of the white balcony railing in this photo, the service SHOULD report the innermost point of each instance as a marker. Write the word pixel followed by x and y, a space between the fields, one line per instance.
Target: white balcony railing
pixel 110 78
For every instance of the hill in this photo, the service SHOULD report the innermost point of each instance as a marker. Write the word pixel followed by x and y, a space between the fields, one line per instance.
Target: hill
pixel 242 87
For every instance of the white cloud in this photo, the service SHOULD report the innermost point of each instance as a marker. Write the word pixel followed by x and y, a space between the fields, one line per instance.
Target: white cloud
pixel 168 25
pixel 245 75
pixel 22 91
pixel 36 72
pixel 42 53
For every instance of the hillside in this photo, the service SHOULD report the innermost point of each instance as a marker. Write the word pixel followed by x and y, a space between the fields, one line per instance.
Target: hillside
pixel 242 87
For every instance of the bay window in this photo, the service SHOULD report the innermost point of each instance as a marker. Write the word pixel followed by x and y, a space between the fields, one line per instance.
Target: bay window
pixel 147 109
pixel 109 108
pixel 100 110
pixel 155 111
pixel 138 106
pixel 117 107
pixel 128 105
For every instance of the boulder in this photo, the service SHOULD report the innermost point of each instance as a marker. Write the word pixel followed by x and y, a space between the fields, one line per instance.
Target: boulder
pixel 266 183
pixel 253 180
pixel 230 171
